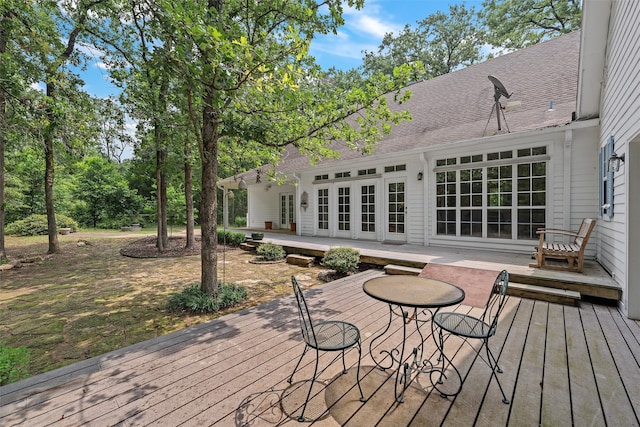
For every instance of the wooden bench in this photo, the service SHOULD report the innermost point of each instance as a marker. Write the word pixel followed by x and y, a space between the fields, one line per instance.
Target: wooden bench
pixel 572 252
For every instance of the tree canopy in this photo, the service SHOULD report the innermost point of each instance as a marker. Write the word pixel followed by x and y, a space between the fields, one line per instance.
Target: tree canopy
pixel 515 24
pixel 442 42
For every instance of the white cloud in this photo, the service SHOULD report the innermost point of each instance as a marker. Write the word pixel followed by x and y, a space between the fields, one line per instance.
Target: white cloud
pixel 38 86
pixel 372 26
pixel 363 31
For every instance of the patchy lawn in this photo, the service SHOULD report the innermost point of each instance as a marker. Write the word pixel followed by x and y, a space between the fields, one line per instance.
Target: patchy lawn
pixel 89 300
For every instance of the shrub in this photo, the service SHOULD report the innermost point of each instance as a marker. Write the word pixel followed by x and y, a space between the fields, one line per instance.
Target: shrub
pixel 13 364
pixel 36 225
pixel 193 300
pixel 233 238
pixel 240 221
pixel 342 260
pixel 271 251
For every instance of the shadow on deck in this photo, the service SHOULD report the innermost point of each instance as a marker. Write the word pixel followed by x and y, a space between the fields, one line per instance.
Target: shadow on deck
pixel 562 366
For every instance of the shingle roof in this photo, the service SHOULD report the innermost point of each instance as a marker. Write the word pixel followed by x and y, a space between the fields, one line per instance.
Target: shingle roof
pixel 455 107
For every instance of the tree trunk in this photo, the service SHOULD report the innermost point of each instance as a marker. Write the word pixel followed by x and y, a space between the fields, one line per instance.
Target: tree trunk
pixel 188 195
pixel 3 253
pixel 161 194
pixel 52 230
pixel 160 136
pixel 209 203
pixel 3 105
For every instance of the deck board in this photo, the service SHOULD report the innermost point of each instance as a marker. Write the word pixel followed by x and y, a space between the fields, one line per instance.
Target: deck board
pixel 512 326
pixel 556 396
pixel 525 406
pixel 612 392
pixel 233 371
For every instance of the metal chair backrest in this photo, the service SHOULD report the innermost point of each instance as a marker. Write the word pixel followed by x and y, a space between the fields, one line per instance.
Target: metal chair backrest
pixel 306 324
pixel 496 302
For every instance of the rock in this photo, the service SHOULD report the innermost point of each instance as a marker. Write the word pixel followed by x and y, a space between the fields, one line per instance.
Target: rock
pixel 82 243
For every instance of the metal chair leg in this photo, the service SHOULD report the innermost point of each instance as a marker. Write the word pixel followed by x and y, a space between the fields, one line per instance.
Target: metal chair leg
pixel 362 399
pixel 298 364
pixel 494 367
pixel 315 372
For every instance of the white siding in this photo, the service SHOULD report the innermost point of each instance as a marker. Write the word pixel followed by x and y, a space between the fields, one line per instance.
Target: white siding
pixel 620 118
pixel 264 205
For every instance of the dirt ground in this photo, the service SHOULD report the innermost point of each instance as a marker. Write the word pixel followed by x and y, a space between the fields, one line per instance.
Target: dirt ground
pixel 89 299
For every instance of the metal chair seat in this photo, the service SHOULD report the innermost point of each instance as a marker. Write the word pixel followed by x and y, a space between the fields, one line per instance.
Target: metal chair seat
pixel 463 325
pixel 333 335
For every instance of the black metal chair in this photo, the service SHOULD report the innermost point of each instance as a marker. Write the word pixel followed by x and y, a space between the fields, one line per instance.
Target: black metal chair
pixel 483 328
pixel 330 335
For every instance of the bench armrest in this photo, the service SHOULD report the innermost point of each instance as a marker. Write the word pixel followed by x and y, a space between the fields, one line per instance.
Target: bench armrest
pixel 543 231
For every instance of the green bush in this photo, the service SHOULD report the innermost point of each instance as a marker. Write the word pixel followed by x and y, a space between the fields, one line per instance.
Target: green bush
pixel 14 364
pixel 36 225
pixel 193 300
pixel 342 260
pixel 240 221
pixel 232 238
pixel 271 251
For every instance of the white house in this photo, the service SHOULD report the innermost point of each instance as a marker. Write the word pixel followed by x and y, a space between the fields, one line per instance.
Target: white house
pixel 460 175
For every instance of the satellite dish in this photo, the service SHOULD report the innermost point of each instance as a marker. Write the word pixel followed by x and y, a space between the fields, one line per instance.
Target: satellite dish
pixel 498 91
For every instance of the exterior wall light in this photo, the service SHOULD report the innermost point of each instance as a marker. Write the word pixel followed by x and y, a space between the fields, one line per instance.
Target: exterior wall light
pixel 420 175
pixel 614 162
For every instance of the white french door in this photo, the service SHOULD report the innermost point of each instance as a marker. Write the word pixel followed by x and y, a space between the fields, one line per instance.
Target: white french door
pixel 368 218
pixel 344 217
pixel 395 210
pixel 287 209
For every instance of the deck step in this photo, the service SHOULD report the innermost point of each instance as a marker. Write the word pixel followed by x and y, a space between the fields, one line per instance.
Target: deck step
pixel 301 260
pixel 401 269
pixel 247 247
pixel 543 293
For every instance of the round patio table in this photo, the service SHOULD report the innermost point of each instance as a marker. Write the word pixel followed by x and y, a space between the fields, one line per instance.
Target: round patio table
pixel 412 298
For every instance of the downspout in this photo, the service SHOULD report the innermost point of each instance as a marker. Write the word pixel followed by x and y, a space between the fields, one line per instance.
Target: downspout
pixel 225 206
pixel 298 209
pixel 566 185
pixel 425 198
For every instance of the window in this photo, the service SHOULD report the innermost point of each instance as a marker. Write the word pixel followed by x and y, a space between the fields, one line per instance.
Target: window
pixel 499 201
pixel 344 204
pixel 478 198
pixel 343 174
pixel 446 196
pixel 531 198
pixel 395 168
pixel 368 206
pixel 323 208
pixel 363 172
pixel 471 202
pixel 321 177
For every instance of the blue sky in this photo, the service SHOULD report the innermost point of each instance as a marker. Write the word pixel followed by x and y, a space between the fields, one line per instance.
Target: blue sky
pixel 363 30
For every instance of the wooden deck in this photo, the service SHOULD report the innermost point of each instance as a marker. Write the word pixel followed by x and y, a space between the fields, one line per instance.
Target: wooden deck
pixel 593 282
pixel 562 366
